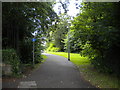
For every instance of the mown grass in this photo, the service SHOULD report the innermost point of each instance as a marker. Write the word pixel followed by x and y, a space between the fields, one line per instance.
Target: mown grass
pixel 74 58
pixel 44 57
pixel 90 74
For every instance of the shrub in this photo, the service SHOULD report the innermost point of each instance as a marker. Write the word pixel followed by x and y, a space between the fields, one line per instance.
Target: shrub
pixel 52 48
pixel 100 65
pixel 9 56
pixel 96 58
pixel 55 49
pixel 26 48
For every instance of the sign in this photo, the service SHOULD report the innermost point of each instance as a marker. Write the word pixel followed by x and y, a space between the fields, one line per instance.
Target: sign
pixel 33 39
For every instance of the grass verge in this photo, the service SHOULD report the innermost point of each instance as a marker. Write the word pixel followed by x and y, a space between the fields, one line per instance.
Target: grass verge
pixel 90 74
pixel 43 60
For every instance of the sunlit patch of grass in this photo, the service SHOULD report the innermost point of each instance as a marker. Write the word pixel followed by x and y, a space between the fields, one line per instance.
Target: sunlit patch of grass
pixel 74 58
pixel 42 61
pixel 44 58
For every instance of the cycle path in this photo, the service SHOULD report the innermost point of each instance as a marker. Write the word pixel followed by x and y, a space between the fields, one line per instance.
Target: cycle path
pixel 57 72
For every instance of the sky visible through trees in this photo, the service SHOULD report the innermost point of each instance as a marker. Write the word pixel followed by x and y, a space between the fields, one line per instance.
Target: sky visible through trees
pixel 72 10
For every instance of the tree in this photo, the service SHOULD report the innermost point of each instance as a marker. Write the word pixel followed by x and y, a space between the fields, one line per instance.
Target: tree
pixel 58 32
pixel 98 33
pixel 20 20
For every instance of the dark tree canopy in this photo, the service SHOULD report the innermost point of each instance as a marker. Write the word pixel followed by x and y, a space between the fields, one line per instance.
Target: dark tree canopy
pixel 20 20
pixel 97 29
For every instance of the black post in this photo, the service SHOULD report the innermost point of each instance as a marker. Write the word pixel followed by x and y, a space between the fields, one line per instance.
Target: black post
pixel 68 46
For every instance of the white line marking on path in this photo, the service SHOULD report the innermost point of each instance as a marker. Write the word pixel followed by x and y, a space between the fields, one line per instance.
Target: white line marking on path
pixel 27 84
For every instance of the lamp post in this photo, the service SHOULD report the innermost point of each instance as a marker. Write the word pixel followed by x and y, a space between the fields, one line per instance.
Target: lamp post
pixel 68 48
pixel 69 41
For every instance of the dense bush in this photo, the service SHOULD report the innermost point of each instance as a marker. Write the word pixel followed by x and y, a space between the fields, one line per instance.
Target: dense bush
pixel 52 48
pixel 9 56
pixel 38 49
